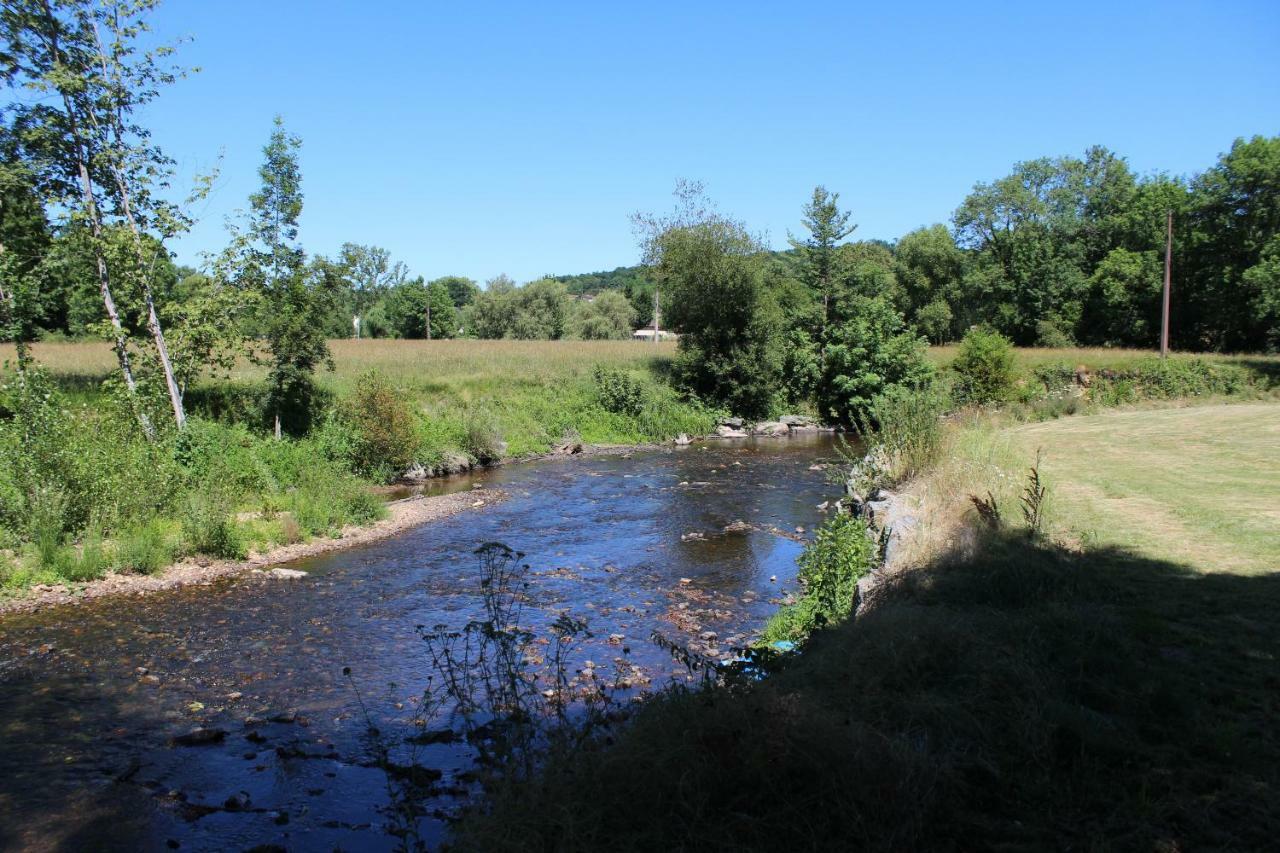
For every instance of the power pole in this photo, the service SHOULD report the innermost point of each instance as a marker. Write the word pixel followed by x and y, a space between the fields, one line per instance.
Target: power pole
pixel 1168 267
pixel 655 313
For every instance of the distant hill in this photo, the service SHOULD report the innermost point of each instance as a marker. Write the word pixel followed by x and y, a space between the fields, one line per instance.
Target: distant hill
pixel 620 278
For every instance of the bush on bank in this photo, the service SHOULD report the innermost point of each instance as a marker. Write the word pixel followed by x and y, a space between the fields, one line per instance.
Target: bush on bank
pixel 83 491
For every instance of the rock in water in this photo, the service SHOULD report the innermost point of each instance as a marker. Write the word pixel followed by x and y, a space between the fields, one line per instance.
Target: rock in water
pixel 198 737
pixel 287 574
pixel 682 440
pixel 774 428
pixel 726 431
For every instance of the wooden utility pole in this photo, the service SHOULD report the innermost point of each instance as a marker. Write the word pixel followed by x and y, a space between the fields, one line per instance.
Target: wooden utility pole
pixel 655 313
pixel 1168 267
pixel 428 313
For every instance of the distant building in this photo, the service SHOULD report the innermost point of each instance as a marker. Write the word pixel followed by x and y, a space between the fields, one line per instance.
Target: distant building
pixel 647 335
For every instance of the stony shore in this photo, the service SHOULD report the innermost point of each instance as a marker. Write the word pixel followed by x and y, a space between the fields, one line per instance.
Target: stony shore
pixel 200 571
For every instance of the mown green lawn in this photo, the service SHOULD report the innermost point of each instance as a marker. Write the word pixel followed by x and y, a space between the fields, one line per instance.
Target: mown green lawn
pixel 1198 486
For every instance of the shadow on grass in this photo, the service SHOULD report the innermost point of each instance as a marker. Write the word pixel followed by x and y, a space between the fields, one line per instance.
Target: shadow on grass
pixel 1268 369
pixel 1029 698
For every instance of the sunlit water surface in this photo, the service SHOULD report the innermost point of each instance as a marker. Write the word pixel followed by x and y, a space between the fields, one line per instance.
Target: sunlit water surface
pixel 91 696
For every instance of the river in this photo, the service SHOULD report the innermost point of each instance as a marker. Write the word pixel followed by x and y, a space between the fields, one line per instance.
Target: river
pixel 92 696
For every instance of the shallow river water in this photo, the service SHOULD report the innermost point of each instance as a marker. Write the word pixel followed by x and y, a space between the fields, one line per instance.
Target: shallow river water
pixel 90 697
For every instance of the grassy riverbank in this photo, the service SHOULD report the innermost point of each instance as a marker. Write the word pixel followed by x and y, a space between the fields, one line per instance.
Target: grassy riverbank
pixel 1090 686
pixel 82 493
pixel 526 394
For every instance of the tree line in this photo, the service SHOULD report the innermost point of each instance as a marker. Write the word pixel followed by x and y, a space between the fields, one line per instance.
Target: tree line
pixel 1061 251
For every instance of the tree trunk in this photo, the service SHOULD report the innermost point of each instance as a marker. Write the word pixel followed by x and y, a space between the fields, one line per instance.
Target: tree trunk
pixel 82 157
pixel 153 319
pixel 655 314
pixel 104 287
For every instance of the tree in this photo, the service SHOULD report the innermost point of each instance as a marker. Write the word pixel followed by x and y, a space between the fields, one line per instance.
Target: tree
pixel 867 354
pixel 827 226
pixel 934 321
pixel 723 302
pixel 930 268
pixel 90 157
pixel 420 310
pixel 493 313
pixel 542 309
pixel 24 240
pixel 462 290
pixel 291 298
pixel 1234 215
pixel 367 273
pixel 609 316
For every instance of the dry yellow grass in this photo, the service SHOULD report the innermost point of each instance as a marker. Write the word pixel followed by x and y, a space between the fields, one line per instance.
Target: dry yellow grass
pixel 409 363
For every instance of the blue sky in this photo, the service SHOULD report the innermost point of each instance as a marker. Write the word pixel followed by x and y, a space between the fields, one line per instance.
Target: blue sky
pixel 475 139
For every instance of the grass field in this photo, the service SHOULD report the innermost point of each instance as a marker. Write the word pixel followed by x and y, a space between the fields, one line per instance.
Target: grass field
pixel 428 367
pixel 1198 485
pixel 532 393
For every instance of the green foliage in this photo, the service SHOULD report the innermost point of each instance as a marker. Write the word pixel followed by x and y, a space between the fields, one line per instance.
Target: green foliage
pixel 830 567
pixel 209 525
pixel 91 563
pixel 323 503
pixel 143 548
pixel 723 302
pixel 482 440
pixel 984 366
pixel 618 391
pixel 1049 333
pixel 908 429
pixel 869 352
pixel 607 317
pixel 292 300
pixel 408 307
pixel 96 462
pixel 934 321
pixel 542 310
pixel 382 425
pixel 1156 379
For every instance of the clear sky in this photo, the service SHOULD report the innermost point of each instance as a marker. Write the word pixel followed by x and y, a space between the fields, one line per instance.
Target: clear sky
pixel 474 138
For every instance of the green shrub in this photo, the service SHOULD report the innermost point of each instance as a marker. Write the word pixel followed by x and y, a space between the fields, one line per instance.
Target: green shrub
pixel 385 438
pixel 908 428
pixel 90 563
pixel 483 440
pixel 328 500
pixel 985 366
pixel 1049 333
pixel 1055 376
pixel 618 391
pixel 869 353
pixel 143 549
pixel 830 567
pixel 1174 378
pixel 209 526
